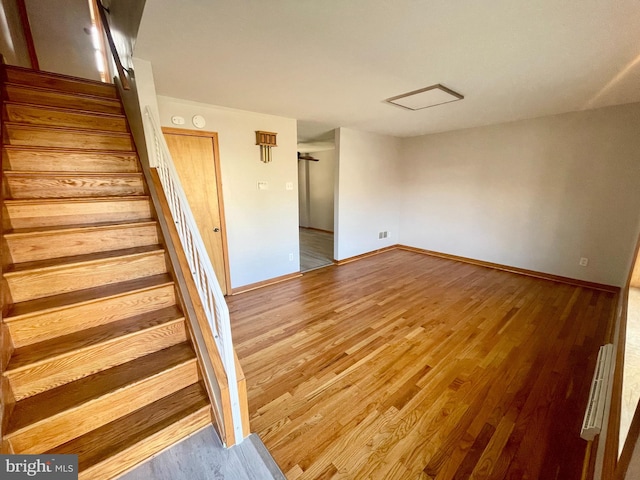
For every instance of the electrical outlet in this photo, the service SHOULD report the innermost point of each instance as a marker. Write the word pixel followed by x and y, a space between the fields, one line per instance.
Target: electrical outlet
pixel 584 261
pixel 291 257
pixel 288 186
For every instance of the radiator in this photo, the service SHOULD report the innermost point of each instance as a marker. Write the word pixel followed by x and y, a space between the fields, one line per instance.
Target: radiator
pixel 594 415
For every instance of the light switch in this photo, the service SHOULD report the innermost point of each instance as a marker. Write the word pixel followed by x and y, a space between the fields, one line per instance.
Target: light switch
pixel 263 186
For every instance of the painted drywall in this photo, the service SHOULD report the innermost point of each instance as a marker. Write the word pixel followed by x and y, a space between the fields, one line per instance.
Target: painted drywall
pixel 303 194
pixel 536 194
pixel 368 192
pixel 12 43
pixel 322 189
pixel 316 190
pixel 262 225
pixel 62 45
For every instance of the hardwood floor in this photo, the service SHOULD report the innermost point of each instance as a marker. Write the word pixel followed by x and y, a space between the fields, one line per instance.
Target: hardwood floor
pixel 316 249
pixel 405 366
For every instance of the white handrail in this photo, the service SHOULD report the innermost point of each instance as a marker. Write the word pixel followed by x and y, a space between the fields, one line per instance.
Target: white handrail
pixel 209 290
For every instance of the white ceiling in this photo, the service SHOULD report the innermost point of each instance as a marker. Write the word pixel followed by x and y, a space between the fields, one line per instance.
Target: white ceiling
pixel 332 63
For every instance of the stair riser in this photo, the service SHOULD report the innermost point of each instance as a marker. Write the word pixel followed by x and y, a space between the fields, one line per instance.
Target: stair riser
pixel 31 284
pixel 71 366
pixel 19 113
pixel 47 80
pixel 22 135
pixel 19 186
pixel 45 214
pixel 18 94
pixel 38 327
pixel 19 248
pixel 68 425
pixel 132 456
pixel 26 160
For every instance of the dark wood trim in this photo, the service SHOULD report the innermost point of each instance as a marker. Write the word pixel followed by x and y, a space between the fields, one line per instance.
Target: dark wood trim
pixel 629 445
pixel 112 46
pixel 365 255
pixel 28 36
pixel 191 305
pixel 189 132
pixel 611 441
pixel 522 271
pixel 318 230
pixel 265 283
pixel 614 466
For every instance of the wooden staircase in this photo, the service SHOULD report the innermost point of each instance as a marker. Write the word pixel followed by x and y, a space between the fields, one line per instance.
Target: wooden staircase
pixel 101 364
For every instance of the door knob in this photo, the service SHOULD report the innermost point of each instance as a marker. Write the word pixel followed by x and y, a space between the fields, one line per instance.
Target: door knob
pixel 216 229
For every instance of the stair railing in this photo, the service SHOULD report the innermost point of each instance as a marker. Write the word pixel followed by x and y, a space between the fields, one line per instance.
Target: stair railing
pixel 102 11
pixel 209 291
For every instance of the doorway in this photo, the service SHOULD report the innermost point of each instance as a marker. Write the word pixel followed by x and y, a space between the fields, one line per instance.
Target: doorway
pixel 195 156
pixel 316 180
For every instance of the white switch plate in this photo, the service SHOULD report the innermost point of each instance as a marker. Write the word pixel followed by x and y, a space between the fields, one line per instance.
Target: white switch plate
pixel 584 261
pixel 263 186
pixel 289 186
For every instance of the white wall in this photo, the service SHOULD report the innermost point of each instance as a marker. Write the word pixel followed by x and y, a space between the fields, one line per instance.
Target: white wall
pixel 535 194
pixel 262 226
pixel 12 43
pixel 368 190
pixel 316 190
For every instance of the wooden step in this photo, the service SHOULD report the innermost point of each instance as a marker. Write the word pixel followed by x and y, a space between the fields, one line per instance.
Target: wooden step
pixel 37 159
pixel 51 317
pixel 31 280
pixel 52 98
pixel 42 366
pixel 60 117
pixel 36 136
pixel 23 185
pixel 28 245
pixel 59 82
pixel 74 211
pixel 113 449
pixel 56 416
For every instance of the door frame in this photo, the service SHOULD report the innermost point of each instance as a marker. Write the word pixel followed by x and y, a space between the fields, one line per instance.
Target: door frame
pixel 216 163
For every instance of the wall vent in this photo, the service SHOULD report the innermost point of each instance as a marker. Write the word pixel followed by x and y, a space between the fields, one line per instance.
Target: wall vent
pixel 594 416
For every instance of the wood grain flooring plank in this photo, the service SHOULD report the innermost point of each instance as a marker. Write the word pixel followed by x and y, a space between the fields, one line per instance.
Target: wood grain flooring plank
pixel 398 366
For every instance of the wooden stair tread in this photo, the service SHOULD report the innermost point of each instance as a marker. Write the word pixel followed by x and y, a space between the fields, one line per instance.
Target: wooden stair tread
pixel 37 352
pixel 54 80
pixel 55 91
pixel 117 436
pixel 59 159
pixel 42 184
pixel 78 259
pixel 36 174
pixel 64 110
pixel 81 227
pixel 55 116
pixel 65 397
pixel 65 300
pixel 29 201
pixel 60 98
pixel 76 131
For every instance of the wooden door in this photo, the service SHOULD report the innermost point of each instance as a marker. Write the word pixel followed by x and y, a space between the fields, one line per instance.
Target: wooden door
pixel 195 155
